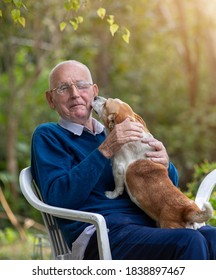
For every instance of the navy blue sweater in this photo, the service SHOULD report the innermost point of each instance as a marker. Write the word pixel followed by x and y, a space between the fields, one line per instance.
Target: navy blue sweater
pixel 72 173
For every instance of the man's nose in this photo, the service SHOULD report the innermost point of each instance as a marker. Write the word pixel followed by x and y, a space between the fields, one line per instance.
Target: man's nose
pixel 73 90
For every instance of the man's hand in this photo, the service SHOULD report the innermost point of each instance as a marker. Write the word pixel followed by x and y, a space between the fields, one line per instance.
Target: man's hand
pixel 122 133
pixel 160 154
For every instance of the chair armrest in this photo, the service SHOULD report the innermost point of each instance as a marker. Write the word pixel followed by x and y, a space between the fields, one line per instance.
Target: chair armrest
pixel 76 215
pixel 205 189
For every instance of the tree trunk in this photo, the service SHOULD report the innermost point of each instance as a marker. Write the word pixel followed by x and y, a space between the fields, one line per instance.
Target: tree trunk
pixel 190 55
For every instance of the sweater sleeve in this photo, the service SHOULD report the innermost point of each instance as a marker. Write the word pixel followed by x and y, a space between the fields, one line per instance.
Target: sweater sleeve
pixel 63 183
pixel 173 173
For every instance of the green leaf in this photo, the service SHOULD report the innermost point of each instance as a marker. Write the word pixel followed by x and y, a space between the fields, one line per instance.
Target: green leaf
pixel 62 25
pixel 126 36
pixel 110 19
pixel 101 13
pixel 21 20
pixel 15 13
pixel 74 24
pixel 113 28
pixel 0 13
pixel 79 19
pixel 67 5
pixel 72 5
pixel 18 3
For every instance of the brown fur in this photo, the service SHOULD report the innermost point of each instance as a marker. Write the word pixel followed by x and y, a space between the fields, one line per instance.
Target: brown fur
pixel 159 198
pixel 148 183
pixel 117 112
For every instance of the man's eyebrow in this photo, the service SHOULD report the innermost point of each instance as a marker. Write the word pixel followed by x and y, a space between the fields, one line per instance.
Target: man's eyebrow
pixel 64 83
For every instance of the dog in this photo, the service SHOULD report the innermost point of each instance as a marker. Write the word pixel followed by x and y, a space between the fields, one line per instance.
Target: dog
pixel 147 183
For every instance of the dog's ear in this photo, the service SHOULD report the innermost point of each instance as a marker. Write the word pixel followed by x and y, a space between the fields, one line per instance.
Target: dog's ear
pixel 111 121
pixel 139 119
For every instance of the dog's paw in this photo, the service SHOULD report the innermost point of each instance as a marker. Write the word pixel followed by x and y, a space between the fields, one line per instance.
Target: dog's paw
pixel 112 195
pixel 198 225
pixel 194 226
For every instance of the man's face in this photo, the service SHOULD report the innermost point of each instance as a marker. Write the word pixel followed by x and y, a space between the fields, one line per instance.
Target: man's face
pixel 72 103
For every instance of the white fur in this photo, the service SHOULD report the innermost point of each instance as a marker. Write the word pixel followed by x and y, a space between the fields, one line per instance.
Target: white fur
pixel 129 153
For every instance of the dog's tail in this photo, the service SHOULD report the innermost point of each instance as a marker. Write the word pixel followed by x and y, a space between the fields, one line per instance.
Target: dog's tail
pixel 201 215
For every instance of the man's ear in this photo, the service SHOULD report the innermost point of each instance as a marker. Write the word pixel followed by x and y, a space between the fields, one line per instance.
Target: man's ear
pixel 95 90
pixel 50 99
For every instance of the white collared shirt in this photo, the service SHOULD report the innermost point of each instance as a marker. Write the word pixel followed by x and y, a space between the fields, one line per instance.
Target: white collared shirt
pixel 78 129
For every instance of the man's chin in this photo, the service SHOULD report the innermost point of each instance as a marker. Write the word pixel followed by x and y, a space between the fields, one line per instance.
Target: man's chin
pixel 78 115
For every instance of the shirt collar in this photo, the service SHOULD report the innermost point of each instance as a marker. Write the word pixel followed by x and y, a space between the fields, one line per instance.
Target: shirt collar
pixel 78 129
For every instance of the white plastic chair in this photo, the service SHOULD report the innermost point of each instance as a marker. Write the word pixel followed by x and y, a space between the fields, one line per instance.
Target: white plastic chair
pixel 59 247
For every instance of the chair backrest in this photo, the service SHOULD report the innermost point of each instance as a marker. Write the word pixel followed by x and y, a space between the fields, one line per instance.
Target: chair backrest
pixel 31 192
pixel 59 246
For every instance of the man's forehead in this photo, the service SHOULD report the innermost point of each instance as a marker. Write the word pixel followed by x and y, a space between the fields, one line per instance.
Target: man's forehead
pixel 71 74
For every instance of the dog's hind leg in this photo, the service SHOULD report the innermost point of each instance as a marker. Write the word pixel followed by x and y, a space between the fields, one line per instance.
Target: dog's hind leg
pixel 119 182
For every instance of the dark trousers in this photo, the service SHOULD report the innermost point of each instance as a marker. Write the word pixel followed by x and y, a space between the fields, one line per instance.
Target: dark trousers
pixel 139 242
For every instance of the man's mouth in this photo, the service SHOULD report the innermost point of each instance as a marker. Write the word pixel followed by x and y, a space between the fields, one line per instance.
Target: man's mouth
pixel 76 105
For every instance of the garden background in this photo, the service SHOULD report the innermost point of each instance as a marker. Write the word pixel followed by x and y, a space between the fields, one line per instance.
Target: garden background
pixel 159 56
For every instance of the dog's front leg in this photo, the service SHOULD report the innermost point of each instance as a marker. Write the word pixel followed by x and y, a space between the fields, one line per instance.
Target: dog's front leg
pixel 118 172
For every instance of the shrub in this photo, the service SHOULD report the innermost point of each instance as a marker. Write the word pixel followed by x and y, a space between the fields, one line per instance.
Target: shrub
pixel 200 171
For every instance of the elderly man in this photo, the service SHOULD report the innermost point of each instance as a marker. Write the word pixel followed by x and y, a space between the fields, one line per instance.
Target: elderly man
pixel 71 165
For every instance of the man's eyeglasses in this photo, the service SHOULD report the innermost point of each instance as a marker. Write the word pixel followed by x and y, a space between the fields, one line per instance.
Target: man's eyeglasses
pixel 65 88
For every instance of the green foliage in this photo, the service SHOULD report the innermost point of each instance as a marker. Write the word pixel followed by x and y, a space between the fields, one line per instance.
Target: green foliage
pixel 8 236
pixel 21 206
pixel 76 6
pixel 12 248
pixel 17 18
pixel 213 203
pixel 5 178
pixel 200 171
pixel 72 7
pixel 150 73
pixel 15 7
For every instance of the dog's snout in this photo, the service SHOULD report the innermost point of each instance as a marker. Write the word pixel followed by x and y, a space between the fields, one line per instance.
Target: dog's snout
pixel 98 104
pixel 99 98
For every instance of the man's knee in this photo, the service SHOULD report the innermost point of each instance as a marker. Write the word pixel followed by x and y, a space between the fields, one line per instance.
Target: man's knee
pixel 193 245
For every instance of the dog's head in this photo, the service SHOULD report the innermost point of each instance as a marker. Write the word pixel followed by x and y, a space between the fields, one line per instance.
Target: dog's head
pixel 113 111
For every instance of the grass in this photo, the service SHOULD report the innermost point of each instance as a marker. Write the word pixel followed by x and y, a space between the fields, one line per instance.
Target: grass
pixel 36 246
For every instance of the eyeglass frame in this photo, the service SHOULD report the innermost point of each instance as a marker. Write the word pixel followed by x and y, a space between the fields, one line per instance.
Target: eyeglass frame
pixel 70 86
